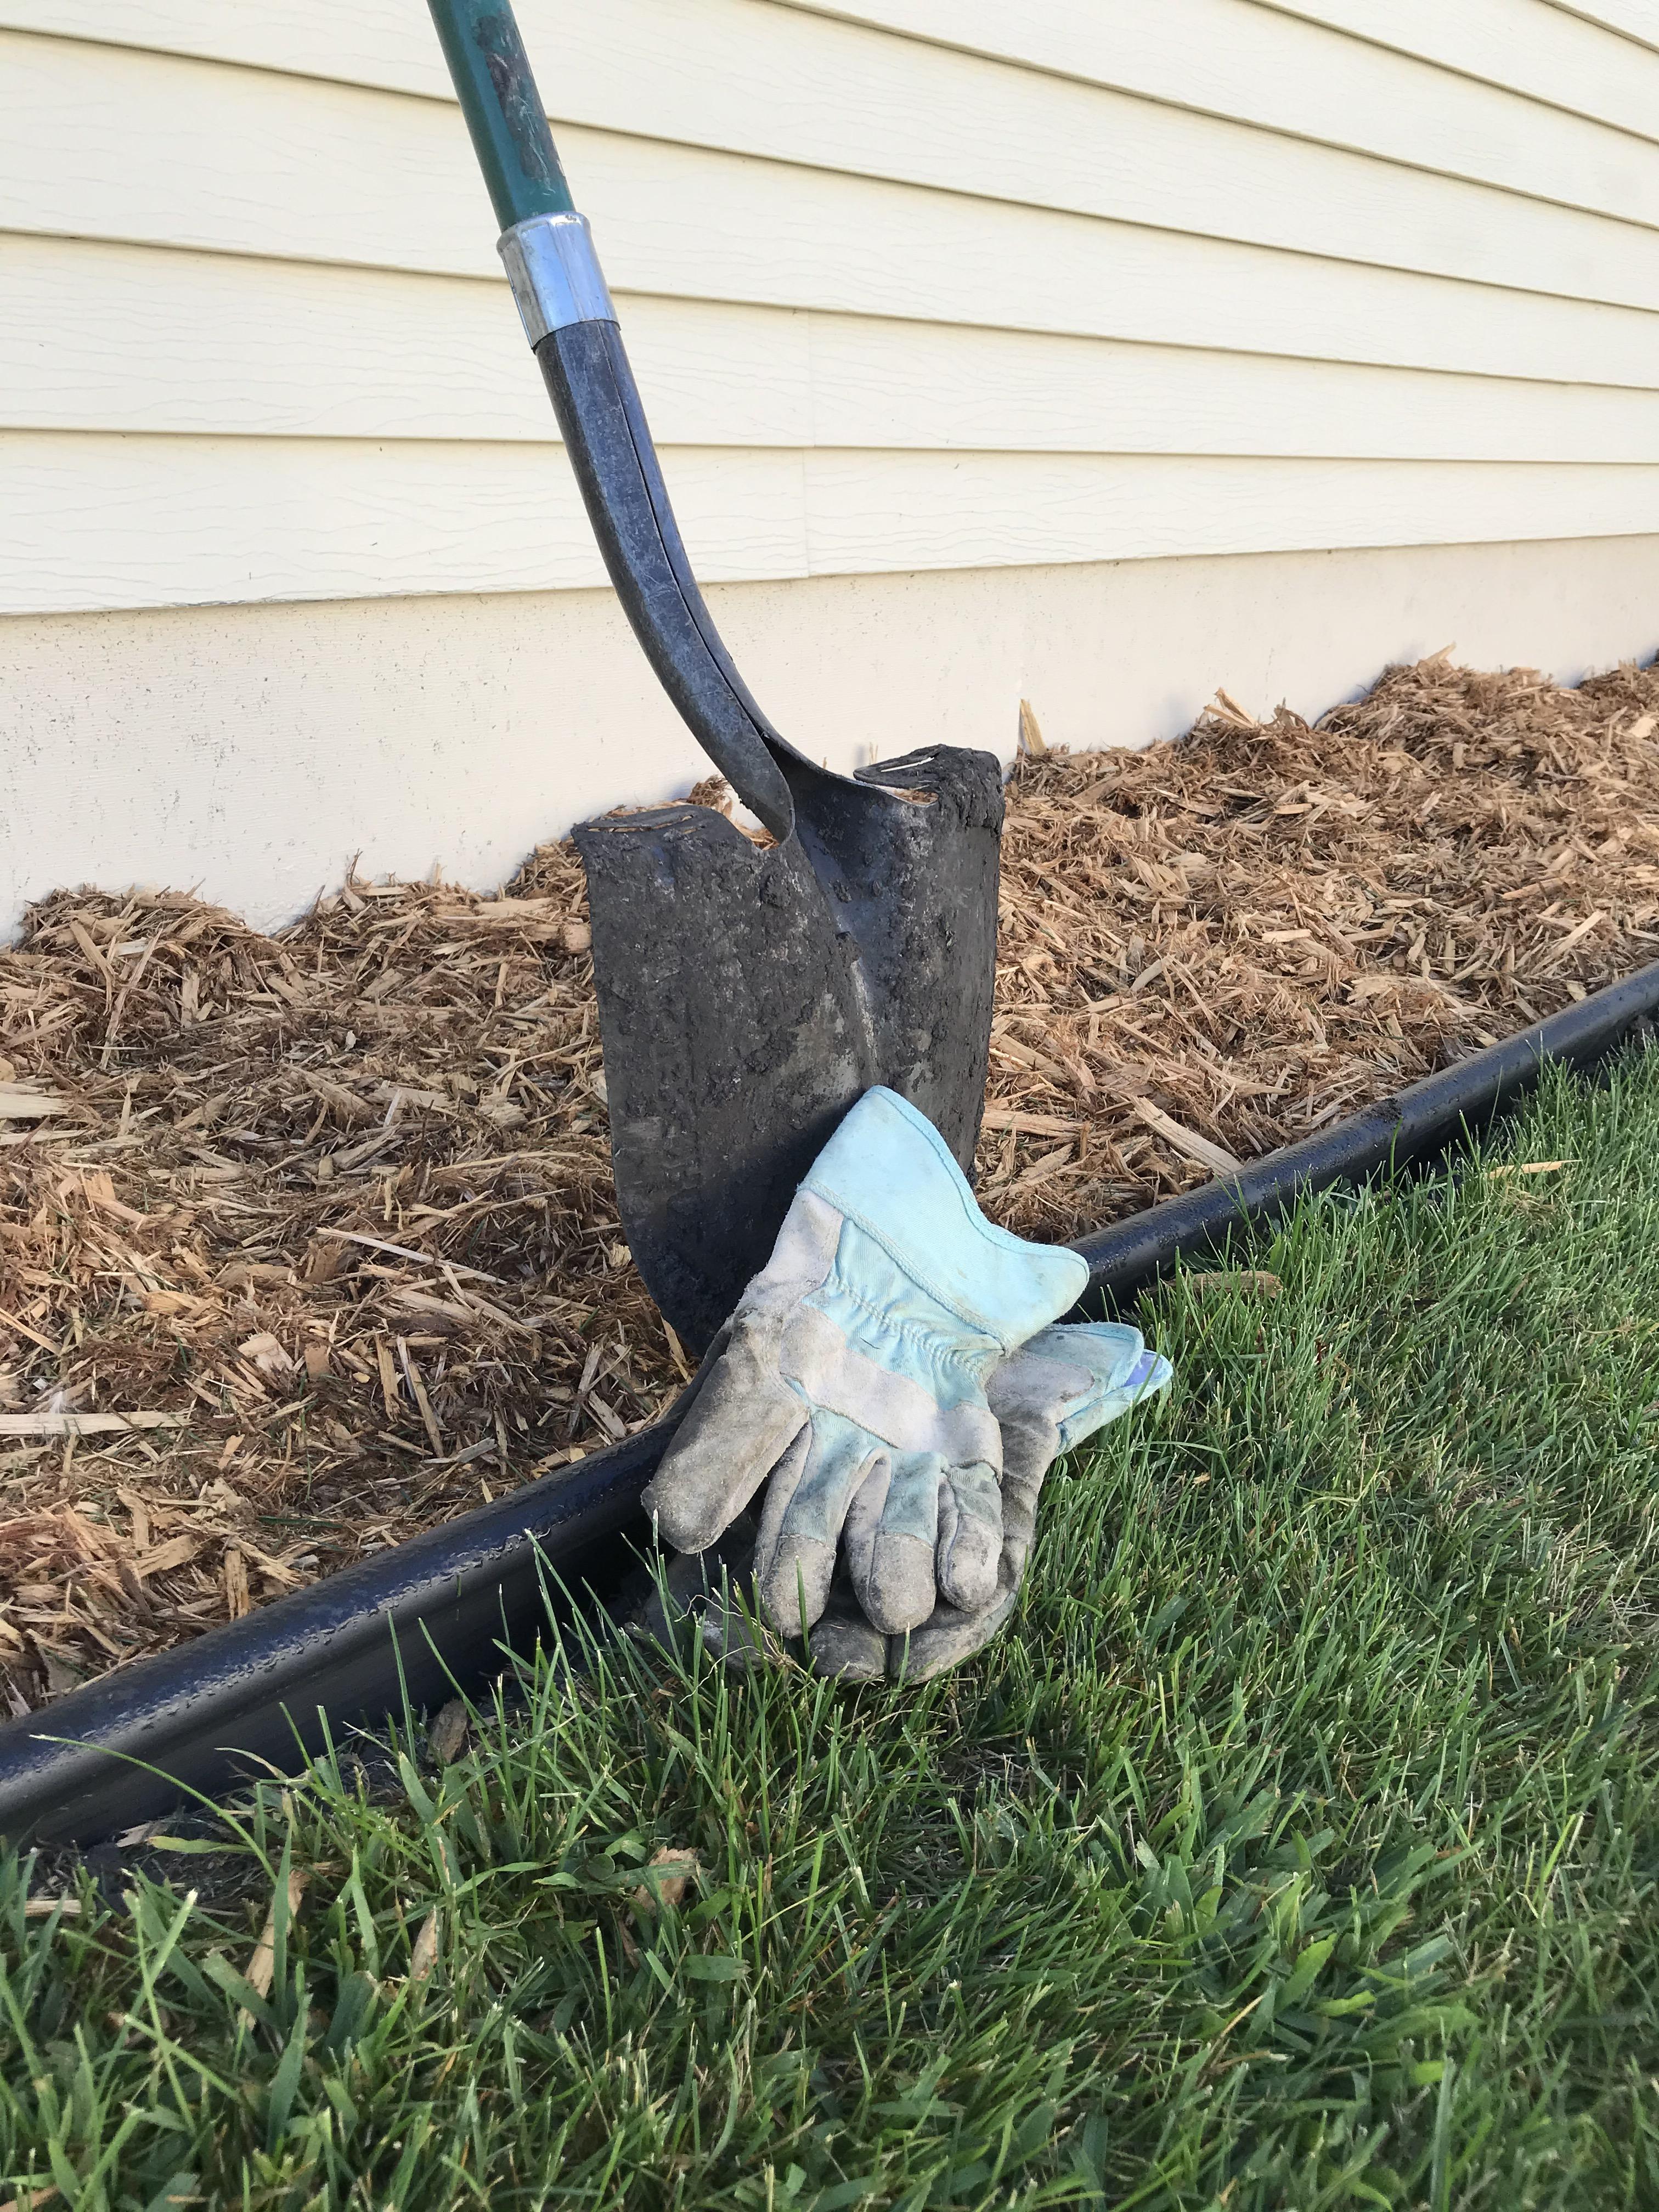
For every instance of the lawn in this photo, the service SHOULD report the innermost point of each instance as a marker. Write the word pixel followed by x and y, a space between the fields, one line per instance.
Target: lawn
pixel 1297 1846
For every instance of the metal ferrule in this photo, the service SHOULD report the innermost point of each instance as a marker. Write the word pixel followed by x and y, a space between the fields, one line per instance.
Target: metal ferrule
pixel 555 274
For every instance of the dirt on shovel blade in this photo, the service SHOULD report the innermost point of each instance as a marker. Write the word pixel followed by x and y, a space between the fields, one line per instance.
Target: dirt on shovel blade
pixel 309 1241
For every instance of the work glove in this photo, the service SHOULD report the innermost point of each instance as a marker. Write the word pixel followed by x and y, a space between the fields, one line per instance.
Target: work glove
pixel 851 1381
pixel 1048 1398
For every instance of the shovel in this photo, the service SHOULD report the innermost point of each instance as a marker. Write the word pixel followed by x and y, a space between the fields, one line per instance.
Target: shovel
pixel 750 989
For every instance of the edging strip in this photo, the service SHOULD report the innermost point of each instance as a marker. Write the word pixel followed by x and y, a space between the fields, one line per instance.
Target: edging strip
pixel 1414 1125
pixel 444 1610
pixel 432 1614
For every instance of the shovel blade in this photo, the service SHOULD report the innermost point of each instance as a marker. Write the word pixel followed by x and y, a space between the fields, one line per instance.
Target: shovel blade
pixel 748 995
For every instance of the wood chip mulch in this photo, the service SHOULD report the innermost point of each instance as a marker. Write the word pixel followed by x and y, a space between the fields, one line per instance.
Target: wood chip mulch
pixel 308 1242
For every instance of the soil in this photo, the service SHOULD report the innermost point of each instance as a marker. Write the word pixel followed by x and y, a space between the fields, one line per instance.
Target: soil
pixel 308 1242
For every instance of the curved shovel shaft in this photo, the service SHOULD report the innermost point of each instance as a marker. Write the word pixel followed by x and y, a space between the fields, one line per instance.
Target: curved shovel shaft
pixel 591 386
pixel 572 328
pixel 746 997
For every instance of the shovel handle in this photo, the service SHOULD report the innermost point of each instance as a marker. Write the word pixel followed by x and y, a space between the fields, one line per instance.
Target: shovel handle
pixel 571 325
pixel 503 109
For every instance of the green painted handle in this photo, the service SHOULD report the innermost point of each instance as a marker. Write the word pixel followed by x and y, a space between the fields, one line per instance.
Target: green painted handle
pixel 503 107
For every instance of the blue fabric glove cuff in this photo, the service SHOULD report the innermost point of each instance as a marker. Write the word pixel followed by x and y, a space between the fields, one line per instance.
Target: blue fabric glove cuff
pixel 888 1170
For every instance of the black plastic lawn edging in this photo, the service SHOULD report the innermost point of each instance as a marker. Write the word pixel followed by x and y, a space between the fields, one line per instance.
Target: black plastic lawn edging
pixel 445 1611
pixel 1415 1125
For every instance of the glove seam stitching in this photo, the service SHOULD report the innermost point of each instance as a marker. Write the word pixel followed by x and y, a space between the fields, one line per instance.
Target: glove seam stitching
pixel 948 1355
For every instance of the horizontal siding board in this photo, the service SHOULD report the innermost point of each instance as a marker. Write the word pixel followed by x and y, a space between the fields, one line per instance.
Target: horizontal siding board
pixel 384 181
pixel 1528 46
pixel 213 345
pixel 992 509
pixel 212 342
pixel 1302 72
pixel 1631 19
pixel 265 163
pixel 880 385
pixel 1457 88
pixel 379 43
pixel 254 164
pixel 691 72
pixel 127 522
pixel 105 521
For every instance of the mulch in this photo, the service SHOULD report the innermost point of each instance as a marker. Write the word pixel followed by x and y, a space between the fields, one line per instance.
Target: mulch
pixel 309 1241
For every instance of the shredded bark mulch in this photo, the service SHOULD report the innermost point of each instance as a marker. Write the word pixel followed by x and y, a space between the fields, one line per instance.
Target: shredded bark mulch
pixel 308 1242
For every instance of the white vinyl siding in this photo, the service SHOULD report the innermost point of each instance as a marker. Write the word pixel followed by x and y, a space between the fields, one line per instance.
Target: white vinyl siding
pixel 910 284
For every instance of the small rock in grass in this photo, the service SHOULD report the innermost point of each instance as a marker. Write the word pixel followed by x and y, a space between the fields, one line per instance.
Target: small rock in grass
pixel 446 1739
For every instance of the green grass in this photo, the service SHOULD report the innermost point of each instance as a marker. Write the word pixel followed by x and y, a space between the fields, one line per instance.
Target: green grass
pixel 1297 1847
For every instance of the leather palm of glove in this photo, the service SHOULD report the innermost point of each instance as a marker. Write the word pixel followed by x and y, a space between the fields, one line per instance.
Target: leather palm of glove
pixel 1059 1389
pixel 851 1381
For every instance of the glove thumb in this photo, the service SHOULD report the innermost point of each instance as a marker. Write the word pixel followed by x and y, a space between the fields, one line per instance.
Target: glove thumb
pixel 743 1420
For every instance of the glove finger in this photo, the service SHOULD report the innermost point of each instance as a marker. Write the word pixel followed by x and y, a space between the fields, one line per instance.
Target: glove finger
pixel 863 1522
pixel 948 1636
pixel 741 1424
pixel 892 1534
pixel 970 1536
pixel 844 1644
pixel 800 1530
pixel 1021 1489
